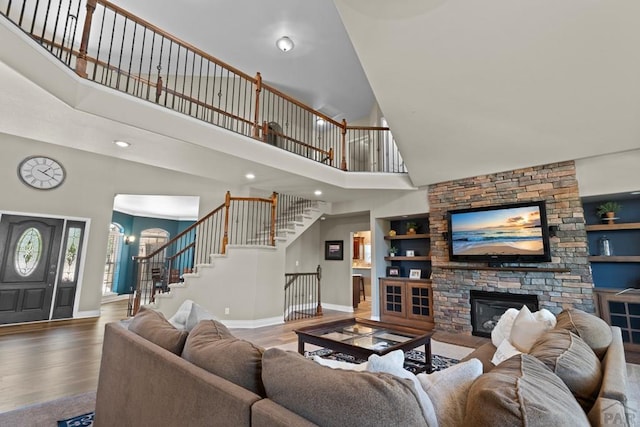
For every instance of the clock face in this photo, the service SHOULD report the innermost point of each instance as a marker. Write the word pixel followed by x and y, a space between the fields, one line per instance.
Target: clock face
pixel 41 172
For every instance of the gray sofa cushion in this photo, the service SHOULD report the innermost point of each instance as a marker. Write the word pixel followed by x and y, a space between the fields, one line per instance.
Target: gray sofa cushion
pixel 569 357
pixel 212 347
pixel 593 330
pixel 522 391
pixel 336 397
pixel 153 326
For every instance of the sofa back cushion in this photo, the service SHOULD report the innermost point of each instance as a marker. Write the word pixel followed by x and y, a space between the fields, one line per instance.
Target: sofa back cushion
pixel 593 330
pixel 212 347
pixel 569 357
pixel 153 326
pixel 522 391
pixel 336 397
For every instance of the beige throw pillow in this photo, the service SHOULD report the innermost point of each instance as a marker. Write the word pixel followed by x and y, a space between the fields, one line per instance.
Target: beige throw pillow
pixel 526 330
pixel 593 330
pixel 153 326
pixel 448 390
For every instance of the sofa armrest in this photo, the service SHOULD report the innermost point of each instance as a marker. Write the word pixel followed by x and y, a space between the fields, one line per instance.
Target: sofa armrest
pixel 267 413
pixel 484 354
pixel 140 383
pixel 614 369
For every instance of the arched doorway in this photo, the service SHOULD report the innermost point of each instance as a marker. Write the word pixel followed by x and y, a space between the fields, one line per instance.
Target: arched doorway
pixel 114 250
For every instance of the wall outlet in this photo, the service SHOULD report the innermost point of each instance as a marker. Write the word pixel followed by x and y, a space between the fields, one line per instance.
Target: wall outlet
pixel 226 310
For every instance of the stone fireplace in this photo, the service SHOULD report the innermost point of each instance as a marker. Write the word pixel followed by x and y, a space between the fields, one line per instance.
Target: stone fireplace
pixel 487 307
pixel 564 282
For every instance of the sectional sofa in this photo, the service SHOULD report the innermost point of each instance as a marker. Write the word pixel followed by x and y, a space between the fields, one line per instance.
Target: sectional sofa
pixel 154 374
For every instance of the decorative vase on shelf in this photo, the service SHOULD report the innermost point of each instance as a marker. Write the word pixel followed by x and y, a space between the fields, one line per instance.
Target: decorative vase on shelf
pixel 392 233
pixel 605 246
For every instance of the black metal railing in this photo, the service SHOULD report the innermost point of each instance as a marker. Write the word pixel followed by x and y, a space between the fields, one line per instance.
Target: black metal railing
pixel 110 46
pixel 302 296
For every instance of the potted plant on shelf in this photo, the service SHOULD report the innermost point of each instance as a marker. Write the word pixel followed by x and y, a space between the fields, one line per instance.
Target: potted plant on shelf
pixel 412 227
pixel 608 211
pixel 393 251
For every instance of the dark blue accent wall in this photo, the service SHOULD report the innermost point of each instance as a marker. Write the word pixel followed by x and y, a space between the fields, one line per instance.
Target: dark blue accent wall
pixel 134 225
pixel 623 242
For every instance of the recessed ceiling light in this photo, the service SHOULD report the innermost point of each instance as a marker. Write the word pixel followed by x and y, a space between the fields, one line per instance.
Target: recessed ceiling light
pixel 318 193
pixel 285 44
pixel 322 218
pixel 122 144
pixel 250 176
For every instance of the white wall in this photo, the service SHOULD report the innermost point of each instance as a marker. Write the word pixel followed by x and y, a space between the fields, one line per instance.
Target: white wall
pixel 88 191
pixel 305 250
pixel 336 275
pixel 609 174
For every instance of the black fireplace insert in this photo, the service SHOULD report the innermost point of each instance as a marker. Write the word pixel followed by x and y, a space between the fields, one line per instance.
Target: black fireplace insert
pixel 487 307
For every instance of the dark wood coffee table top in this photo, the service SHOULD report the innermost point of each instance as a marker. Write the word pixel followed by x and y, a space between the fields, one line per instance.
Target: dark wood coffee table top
pixel 362 337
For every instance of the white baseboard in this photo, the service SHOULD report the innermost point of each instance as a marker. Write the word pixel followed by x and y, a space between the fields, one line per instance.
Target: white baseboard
pixel 86 314
pixel 251 324
pixel 345 308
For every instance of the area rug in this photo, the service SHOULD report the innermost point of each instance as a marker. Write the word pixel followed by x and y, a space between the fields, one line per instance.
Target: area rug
pixel 49 414
pixel 414 360
pixel 84 420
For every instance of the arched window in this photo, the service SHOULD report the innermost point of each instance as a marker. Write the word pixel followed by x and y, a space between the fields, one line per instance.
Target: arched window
pixel 151 239
pixel 114 249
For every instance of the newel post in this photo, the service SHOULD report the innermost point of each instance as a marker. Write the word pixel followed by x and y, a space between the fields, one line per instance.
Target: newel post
pixel 319 307
pixel 225 238
pixel 81 62
pixel 343 163
pixel 274 204
pixel 256 112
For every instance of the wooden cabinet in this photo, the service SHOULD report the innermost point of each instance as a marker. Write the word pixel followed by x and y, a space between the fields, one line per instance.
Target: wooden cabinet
pixel 406 302
pixel 622 310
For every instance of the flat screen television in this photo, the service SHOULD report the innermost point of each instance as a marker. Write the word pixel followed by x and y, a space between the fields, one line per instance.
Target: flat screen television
pixel 500 234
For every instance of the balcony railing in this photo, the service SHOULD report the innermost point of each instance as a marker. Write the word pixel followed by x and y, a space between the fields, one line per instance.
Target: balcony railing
pixel 110 46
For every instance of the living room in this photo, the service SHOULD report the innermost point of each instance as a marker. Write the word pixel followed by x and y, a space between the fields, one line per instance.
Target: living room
pixel 95 177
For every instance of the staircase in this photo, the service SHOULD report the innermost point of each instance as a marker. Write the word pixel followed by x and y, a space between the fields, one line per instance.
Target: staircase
pixel 244 286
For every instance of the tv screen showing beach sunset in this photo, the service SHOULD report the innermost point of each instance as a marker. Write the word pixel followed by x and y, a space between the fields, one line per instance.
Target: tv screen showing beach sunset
pixel 508 231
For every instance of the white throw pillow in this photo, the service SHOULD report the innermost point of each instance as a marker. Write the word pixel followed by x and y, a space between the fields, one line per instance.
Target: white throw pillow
pixel 505 351
pixel 389 364
pixel 448 390
pixel 502 331
pixel 545 316
pixel 179 319
pixel 197 314
pixel 339 364
pixel 526 330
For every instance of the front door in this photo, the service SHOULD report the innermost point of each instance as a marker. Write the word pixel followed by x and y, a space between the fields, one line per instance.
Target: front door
pixel 29 252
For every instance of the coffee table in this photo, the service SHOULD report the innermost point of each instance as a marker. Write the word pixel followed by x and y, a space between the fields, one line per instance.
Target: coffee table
pixel 362 337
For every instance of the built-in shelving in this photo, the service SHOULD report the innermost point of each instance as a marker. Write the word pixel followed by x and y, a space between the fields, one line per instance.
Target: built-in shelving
pixel 407 236
pixel 407 258
pixel 613 227
pixel 615 258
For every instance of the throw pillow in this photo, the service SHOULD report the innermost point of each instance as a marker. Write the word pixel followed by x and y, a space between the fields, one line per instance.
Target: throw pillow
pixel 393 363
pixel 573 361
pixel 153 326
pixel 593 330
pixel 522 391
pixel 448 390
pixel 179 318
pixel 211 346
pixel 505 351
pixel 502 331
pixel 526 330
pixel 339 364
pixel 196 315
pixel 335 397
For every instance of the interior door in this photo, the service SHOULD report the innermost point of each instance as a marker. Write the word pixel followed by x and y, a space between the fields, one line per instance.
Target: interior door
pixel 29 252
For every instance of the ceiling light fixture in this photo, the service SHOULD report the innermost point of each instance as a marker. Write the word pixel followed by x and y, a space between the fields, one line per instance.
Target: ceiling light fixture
pixel 250 176
pixel 635 193
pixel 318 193
pixel 122 144
pixel 284 43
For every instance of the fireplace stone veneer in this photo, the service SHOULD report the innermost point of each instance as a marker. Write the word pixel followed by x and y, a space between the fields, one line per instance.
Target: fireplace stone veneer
pixel 556 184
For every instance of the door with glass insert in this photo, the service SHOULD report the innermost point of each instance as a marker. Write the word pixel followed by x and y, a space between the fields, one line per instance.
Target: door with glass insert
pixel 29 252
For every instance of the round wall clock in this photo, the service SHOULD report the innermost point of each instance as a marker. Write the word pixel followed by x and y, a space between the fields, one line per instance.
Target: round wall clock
pixel 43 173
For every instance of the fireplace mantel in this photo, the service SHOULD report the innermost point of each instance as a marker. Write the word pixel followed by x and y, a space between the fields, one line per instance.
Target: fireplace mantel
pixel 526 269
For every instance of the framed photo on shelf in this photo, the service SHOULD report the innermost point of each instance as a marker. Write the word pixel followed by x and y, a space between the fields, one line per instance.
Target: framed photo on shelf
pixel 334 250
pixel 394 271
pixel 410 253
pixel 415 273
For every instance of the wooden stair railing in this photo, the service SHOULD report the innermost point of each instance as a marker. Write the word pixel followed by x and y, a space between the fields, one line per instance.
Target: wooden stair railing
pixel 233 222
pixel 132 55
